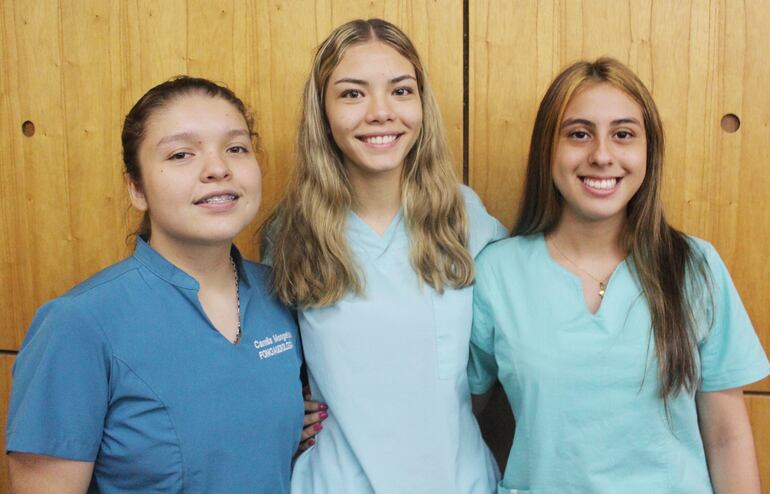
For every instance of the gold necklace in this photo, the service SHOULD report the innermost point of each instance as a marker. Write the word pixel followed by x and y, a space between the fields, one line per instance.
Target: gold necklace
pixel 238 300
pixel 602 283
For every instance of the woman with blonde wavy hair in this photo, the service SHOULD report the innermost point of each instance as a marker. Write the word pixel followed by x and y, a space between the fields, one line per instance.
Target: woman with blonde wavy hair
pixel 373 244
pixel 622 343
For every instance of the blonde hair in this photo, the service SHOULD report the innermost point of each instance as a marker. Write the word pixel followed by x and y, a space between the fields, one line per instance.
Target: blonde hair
pixel 312 262
pixel 665 264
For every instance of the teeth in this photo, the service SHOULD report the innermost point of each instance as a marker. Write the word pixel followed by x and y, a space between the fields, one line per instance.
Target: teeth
pixel 602 183
pixel 218 199
pixel 380 139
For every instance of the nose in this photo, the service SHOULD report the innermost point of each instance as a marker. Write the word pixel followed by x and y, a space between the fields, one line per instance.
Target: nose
pixel 380 109
pixel 601 154
pixel 215 168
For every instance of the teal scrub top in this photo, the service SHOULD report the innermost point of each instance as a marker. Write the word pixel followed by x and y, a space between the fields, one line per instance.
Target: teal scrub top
pixel 126 371
pixel 391 365
pixel 584 388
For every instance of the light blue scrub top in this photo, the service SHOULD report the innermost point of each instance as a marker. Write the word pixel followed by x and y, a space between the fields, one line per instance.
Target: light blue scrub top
pixel 126 370
pixel 392 367
pixel 584 387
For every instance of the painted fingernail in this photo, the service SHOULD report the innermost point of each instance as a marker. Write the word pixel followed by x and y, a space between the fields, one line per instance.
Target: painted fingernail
pixel 311 442
pixel 323 406
pixel 323 415
pixel 317 427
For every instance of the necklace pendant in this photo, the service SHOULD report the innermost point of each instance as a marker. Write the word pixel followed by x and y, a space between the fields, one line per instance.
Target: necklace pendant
pixel 602 289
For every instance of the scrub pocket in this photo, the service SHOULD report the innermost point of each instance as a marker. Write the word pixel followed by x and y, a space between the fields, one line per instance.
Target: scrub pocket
pixel 452 313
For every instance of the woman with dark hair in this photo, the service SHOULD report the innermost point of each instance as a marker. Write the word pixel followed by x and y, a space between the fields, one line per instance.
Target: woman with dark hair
pixel 173 370
pixel 621 343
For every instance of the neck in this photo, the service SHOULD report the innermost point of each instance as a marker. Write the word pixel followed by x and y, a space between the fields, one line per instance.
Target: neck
pixel 208 264
pixel 590 239
pixel 376 197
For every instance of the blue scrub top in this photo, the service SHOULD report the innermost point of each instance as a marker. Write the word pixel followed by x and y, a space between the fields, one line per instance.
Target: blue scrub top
pixel 127 371
pixel 391 364
pixel 584 387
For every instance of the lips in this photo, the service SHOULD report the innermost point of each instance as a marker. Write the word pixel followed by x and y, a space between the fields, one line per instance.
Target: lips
pixel 217 198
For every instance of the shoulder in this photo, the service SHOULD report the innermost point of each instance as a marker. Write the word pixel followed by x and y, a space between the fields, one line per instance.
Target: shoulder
pixel 260 277
pixel 258 271
pixel 483 227
pixel 105 280
pixel 705 254
pixel 701 247
pixel 73 313
pixel 508 253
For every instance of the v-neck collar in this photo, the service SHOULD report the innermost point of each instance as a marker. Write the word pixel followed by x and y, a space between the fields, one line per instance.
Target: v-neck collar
pixel 370 240
pixel 575 279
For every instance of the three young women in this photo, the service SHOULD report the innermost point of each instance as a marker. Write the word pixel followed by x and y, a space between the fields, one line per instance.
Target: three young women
pixel 621 343
pixel 173 370
pixel 374 244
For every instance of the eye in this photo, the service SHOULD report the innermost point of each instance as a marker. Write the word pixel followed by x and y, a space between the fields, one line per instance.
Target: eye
pixel 403 91
pixel 238 149
pixel 180 155
pixel 351 93
pixel 579 135
pixel 624 135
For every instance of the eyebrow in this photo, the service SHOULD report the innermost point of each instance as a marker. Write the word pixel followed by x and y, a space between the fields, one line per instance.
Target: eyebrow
pixel 190 136
pixel 362 82
pixel 588 123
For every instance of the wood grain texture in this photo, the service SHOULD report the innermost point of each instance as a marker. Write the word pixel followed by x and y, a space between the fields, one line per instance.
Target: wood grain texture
pixel 759 414
pixel 701 60
pixel 74 68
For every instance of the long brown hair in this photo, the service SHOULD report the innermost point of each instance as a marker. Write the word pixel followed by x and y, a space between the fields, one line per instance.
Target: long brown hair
pixel 665 264
pixel 312 262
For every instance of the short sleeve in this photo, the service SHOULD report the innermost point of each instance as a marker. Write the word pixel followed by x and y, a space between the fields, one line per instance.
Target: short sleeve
pixel 730 354
pixel 60 385
pixel 482 366
pixel 484 228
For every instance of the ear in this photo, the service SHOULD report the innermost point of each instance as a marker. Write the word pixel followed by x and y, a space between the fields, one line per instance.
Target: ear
pixel 136 193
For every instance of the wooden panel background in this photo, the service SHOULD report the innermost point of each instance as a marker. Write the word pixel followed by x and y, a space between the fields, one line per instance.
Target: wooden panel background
pixel 74 67
pixel 701 60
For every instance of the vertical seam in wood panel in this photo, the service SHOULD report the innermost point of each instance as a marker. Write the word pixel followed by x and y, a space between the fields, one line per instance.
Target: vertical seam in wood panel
pixel 466 92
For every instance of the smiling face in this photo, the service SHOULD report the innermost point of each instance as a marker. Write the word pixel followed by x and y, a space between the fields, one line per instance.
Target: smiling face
pixel 374 110
pixel 600 156
pixel 200 179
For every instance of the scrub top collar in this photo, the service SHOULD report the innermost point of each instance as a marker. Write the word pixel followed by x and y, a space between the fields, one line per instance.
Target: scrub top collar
pixel 160 266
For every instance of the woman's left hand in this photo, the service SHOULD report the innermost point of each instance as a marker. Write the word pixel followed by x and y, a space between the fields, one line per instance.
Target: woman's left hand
pixel 315 413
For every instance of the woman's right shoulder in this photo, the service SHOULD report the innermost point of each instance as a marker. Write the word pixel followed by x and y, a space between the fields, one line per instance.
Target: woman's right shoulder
pixel 75 308
pixel 507 253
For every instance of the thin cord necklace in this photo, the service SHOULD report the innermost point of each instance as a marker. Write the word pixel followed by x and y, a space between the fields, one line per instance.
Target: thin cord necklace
pixel 602 283
pixel 238 300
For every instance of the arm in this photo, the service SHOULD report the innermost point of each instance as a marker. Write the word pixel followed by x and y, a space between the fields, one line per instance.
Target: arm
pixel 728 442
pixel 30 473
pixel 480 402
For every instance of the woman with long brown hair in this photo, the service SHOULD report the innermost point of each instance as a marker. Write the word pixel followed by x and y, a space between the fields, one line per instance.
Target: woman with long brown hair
pixel 621 343
pixel 374 244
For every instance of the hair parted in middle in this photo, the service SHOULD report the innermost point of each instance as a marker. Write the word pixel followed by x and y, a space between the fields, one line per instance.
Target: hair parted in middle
pixel 312 262
pixel 665 264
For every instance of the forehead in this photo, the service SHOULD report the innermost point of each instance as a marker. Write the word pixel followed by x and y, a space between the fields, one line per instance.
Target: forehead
pixel 194 109
pixel 372 58
pixel 602 100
